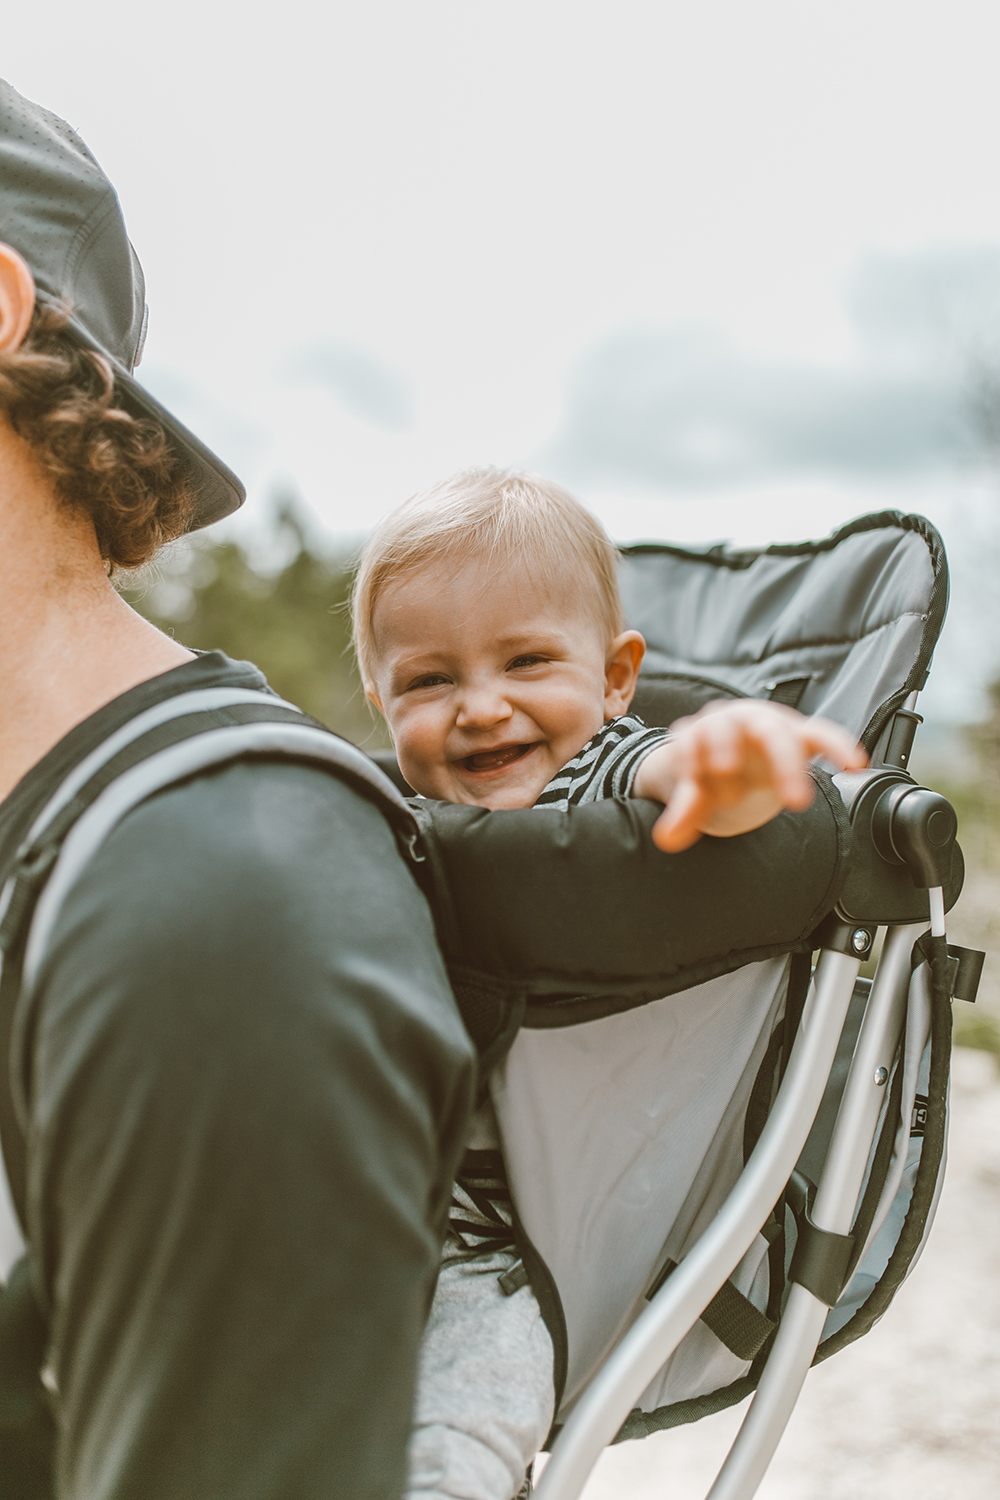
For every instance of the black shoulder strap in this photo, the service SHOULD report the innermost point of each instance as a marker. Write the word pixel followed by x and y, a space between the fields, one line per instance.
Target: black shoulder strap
pixel 178 738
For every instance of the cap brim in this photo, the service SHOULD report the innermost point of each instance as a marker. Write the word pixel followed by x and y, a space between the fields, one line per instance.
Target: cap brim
pixel 218 492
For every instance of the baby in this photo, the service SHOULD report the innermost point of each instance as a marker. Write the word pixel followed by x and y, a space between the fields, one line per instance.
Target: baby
pixel 489 632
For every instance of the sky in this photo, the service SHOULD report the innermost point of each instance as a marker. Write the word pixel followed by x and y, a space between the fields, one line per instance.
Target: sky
pixel 726 269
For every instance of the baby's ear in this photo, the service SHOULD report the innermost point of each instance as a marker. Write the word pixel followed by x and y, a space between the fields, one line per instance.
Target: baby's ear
pixel 621 673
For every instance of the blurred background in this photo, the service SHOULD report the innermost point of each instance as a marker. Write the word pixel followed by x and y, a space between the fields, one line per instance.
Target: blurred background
pixel 726 270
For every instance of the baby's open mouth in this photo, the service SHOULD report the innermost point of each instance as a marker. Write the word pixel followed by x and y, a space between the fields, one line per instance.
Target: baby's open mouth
pixel 495 760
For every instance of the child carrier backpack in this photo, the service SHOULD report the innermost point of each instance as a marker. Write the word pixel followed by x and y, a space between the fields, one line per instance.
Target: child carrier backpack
pixel 779 1132
pixel 716 1188
pixel 454 852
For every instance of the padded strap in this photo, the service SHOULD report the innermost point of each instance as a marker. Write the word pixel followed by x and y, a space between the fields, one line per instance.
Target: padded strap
pixel 191 757
pixel 177 738
pixel 173 719
pixel 203 700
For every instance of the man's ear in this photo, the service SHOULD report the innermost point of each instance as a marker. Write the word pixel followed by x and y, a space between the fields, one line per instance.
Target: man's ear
pixel 17 299
pixel 622 671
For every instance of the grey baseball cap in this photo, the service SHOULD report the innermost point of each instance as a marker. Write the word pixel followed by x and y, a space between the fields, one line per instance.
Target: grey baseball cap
pixel 61 214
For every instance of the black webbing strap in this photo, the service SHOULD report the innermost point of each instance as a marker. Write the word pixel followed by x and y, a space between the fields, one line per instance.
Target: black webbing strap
pixel 799 978
pixel 789 691
pixel 731 1316
pixel 772 1069
pixel 546 1292
pixel 765 1086
pixel 734 1320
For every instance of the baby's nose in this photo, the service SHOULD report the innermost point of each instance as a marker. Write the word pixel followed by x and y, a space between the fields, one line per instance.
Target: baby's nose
pixel 483 704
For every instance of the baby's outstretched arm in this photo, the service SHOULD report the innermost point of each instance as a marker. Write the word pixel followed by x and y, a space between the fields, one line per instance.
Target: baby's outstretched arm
pixel 734 766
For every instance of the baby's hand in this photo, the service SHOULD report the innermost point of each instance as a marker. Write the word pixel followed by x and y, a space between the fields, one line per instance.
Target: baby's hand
pixel 734 766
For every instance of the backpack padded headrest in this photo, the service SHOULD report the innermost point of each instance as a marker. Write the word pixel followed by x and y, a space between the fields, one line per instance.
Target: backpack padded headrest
pixel 844 627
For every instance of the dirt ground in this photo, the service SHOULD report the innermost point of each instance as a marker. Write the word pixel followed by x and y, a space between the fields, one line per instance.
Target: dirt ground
pixel 912 1412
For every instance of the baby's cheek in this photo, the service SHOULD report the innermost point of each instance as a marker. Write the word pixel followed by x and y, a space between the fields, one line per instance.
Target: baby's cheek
pixel 572 729
pixel 420 753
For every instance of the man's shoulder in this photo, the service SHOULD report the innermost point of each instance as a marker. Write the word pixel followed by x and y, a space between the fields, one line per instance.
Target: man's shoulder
pixel 276 813
pixel 208 671
pixel 264 890
pixel 254 853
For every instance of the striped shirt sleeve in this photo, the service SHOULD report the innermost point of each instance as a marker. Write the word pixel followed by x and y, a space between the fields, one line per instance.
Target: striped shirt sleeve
pixel 606 765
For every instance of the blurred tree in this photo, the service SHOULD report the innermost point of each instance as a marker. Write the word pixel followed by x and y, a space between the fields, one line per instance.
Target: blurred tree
pixel 983 385
pixel 291 621
pixel 985 739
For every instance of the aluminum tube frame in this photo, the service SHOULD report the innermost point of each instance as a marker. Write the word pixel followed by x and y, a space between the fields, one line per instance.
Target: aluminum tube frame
pixel 834 1208
pixel 675 1309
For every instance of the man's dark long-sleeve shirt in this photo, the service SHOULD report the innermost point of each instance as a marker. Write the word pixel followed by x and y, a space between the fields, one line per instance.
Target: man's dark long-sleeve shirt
pixel 247 1087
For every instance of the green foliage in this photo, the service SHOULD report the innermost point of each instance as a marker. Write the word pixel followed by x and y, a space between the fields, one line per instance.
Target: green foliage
pixel 985 740
pixel 292 622
pixel 974 921
pixel 975 1027
pixel 978 809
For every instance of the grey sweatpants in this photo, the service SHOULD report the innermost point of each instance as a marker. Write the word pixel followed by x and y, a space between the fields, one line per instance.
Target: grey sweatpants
pixel 485 1391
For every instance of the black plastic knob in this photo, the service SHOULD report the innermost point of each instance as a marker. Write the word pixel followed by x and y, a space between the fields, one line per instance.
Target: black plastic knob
pixel 916 827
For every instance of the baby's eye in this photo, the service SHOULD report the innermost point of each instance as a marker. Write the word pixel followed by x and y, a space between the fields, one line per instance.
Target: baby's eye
pixel 530 659
pixel 429 679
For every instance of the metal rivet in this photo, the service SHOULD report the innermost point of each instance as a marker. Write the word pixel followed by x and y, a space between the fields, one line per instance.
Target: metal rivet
pixel 881 1074
pixel 860 940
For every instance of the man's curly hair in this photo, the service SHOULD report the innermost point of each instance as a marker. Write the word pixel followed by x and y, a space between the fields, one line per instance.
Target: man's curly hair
pixel 60 398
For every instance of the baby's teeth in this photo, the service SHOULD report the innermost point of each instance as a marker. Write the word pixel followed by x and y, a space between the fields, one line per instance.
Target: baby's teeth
pixel 487 760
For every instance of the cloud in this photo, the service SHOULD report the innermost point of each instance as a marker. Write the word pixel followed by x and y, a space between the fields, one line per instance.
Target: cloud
pixel 367 387
pixel 684 406
pixel 931 305
pixel 239 440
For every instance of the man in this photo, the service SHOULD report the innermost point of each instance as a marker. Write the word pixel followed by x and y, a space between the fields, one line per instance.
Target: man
pixel 246 1083
pixel 234 1106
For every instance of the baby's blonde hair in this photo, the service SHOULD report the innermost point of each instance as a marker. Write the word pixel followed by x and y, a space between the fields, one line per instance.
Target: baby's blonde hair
pixel 501 517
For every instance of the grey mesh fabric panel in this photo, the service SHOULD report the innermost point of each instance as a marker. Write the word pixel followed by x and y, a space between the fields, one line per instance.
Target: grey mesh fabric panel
pixel 850 618
pixel 622 1138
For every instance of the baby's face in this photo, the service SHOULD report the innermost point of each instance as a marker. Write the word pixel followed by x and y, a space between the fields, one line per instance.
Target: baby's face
pixel 490 681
